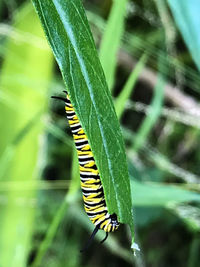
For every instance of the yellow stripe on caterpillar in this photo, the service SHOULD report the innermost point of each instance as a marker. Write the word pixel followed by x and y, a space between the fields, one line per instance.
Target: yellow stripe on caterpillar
pixel 91 209
pixel 81 131
pixel 94 187
pixel 89 182
pixel 86 147
pixel 82 169
pixel 71 122
pixel 98 216
pixel 76 137
pixel 69 109
pixel 92 201
pixel 75 117
pixel 92 195
pixel 90 164
pixel 87 153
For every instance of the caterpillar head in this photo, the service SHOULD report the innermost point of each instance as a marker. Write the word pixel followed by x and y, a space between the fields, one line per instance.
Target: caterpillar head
pixel 114 220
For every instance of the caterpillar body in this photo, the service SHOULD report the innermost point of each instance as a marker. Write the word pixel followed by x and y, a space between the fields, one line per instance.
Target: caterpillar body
pixel 92 189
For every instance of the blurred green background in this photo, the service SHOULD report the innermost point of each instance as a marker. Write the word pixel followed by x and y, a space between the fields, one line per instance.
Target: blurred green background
pixel 155 86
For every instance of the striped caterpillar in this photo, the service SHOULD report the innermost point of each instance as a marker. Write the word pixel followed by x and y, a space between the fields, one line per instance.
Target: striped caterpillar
pixel 92 189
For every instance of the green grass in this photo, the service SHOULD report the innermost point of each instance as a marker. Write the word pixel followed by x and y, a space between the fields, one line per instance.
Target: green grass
pixel 128 88
pixel 42 220
pixel 21 129
pixel 152 117
pixel 111 39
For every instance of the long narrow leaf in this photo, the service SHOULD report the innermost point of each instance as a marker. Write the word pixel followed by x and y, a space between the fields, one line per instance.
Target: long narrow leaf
pixel 152 117
pixel 129 86
pixel 19 145
pixel 186 14
pixel 111 39
pixel 160 194
pixel 68 32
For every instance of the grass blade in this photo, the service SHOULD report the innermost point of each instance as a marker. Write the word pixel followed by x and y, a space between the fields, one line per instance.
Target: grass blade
pixel 69 198
pixel 21 64
pixel 111 39
pixel 128 88
pixel 149 194
pixel 186 15
pixel 152 117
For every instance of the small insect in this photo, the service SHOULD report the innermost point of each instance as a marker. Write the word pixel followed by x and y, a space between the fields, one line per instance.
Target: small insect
pixel 92 189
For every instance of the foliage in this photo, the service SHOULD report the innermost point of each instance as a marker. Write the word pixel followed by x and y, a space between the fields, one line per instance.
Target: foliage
pixel 23 97
pixel 78 60
pixel 186 15
pixel 155 86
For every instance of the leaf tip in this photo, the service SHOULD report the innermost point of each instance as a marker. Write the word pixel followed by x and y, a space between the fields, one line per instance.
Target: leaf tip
pixel 135 248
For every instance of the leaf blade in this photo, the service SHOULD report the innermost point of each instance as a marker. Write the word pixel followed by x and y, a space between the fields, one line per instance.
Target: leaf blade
pixel 186 15
pixel 20 129
pixel 129 86
pixel 158 194
pixel 110 42
pixel 75 52
pixel 152 117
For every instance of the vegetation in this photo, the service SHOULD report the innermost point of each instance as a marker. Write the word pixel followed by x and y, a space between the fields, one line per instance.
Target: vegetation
pixel 150 53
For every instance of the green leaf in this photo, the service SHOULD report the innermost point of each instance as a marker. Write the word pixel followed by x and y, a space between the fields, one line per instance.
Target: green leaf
pixel 111 39
pixel 129 86
pixel 148 194
pixel 70 198
pixel 189 214
pixel 186 15
pixel 68 32
pixel 24 81
pixel 152 116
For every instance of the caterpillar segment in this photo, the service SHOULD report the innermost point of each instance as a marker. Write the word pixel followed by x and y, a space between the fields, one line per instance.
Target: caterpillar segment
pixel 92 190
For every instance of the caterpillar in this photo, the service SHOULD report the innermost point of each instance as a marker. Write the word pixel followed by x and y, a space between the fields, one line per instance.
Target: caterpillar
pixel 92 189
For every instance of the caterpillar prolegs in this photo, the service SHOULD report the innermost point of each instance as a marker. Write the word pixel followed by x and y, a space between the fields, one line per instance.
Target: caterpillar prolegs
pixel 92 189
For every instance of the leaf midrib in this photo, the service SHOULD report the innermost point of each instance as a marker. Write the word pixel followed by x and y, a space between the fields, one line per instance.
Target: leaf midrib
pixel 87 81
